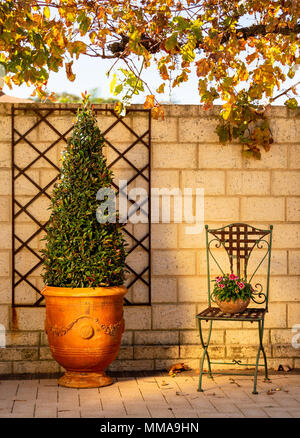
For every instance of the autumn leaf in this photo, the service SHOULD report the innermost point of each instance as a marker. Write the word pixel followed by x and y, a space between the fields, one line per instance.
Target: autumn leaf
pixel 46 12
pixel 178 368
pixel 70 74
pixel 161 88
pixel 149 102
pixel 158 112
pixel 202 67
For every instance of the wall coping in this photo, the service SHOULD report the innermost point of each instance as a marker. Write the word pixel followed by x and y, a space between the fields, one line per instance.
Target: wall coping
pixel 171 110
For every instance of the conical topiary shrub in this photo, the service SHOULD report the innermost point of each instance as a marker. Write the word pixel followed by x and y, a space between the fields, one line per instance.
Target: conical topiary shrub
pixel 81 252
pixel 83 263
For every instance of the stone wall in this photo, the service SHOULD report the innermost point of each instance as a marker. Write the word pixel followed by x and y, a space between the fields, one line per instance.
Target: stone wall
pixel 185 153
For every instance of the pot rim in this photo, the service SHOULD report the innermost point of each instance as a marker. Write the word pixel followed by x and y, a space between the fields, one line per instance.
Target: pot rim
pixel 102 291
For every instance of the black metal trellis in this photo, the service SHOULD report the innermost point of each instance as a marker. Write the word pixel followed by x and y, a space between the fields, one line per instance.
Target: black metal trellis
pixel 20 243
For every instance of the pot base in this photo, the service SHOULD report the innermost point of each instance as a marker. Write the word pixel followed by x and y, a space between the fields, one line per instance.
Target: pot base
pixel 72 379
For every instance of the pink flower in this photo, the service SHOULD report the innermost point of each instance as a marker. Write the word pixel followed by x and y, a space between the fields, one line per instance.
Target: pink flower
pixel 221 285
pixel 218 279
pixel 241 285
pixel 233 277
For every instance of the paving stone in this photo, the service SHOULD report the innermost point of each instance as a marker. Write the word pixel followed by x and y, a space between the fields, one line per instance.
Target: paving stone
pixel 158 396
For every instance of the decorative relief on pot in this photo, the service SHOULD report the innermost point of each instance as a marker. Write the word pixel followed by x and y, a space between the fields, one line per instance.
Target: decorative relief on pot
pixel 86 331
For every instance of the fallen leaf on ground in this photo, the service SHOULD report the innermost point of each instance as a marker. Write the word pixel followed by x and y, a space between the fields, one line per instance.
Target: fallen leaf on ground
pixel 164 383
pixel 284 368
pixel 178 368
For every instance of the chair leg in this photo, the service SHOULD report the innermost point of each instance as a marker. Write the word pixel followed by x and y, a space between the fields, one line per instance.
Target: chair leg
pixel 264 354
pixel 205 353
pixel 260 348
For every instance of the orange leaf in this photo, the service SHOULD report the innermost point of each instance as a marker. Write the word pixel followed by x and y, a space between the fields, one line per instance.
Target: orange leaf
pixel 250 58
pixel 202 67
pixel 157 112
pixel 69 72
pixel 149 102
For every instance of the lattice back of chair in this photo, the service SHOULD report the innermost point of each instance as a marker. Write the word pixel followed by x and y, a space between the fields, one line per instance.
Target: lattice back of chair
pixel 239 240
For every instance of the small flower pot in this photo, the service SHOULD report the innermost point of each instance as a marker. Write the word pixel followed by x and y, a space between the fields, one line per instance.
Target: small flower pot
pixel 231 306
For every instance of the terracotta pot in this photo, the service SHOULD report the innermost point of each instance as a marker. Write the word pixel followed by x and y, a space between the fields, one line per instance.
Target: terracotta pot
pixel 231 306
pixel 84 328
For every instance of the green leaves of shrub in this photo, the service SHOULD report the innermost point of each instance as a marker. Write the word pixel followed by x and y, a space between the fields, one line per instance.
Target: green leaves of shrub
pixel 81 252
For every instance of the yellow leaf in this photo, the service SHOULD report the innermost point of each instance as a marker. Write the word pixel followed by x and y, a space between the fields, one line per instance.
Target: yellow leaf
pixel 161 88
pixel 46 12
pixel 113 83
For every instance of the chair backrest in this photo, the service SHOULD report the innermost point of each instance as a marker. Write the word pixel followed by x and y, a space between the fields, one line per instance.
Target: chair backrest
pixel 239 241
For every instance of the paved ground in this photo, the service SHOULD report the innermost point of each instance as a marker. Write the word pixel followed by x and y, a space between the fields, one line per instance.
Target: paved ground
pixel 154 396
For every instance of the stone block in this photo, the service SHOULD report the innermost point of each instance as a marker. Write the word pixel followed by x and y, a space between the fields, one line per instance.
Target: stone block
pixel 18 353
pixel 214 156
pixel 156 337
pixel 192 337
pixel 293 209
pixel 30 318
pixel 262 209
pixel 275 158
pixel 174 156
pixel 294 156
pixel 5 154
pixel 168 179
pixel 212 181
pixel 163 236
pixel 244 337
pixel 285 130
pixel 132 365
pixel 293 312
pixel 35 367
pixel 285 289
pixel 226 209
pixel 192 289
pixel 286 182
pixel 156 352
pixel 4 209
pixel 164 290
pixel 294 262
pixel 5 182
pixel 165 130
pixel 248 182
pixel 276 316
pixel 202 130
pixel 5 128
pixel 168 316
pixel 137 318
pixel 193 351
pixel 5 236
pixel 286 236
pixel 180 262
pixel 4 264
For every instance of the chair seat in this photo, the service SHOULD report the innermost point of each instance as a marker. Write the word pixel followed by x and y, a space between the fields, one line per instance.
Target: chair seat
pixel 215 313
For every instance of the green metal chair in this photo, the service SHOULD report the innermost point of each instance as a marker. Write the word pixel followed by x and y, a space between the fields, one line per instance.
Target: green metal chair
pixel 239 241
